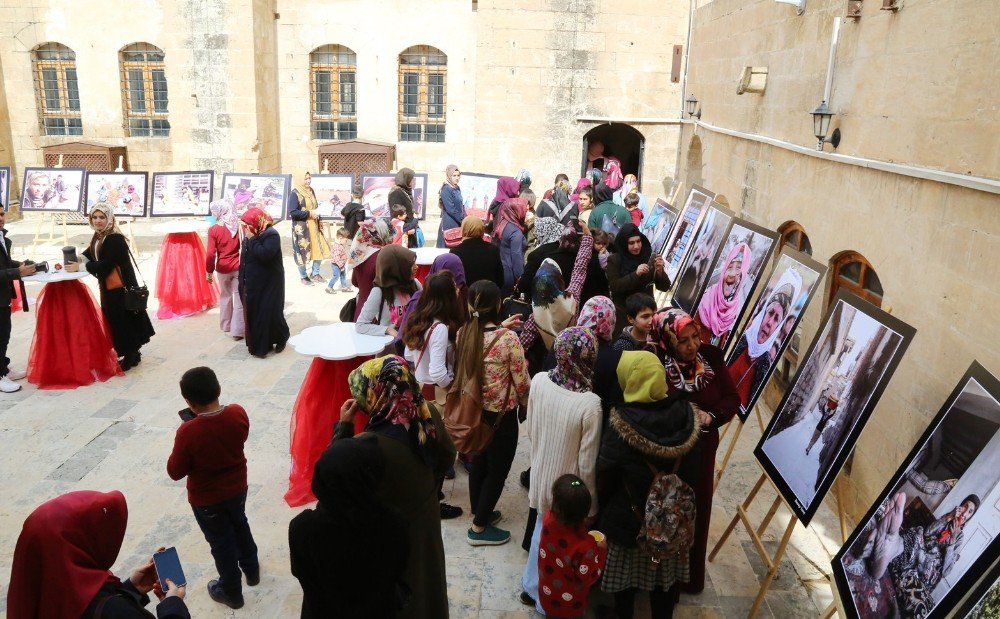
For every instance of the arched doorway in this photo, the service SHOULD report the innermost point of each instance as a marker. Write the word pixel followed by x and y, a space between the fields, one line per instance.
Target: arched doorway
pixel 694 163
pixel 619 140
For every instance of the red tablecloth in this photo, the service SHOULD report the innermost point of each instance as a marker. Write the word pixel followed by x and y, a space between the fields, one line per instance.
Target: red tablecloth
pixel 71 346
pixel 422 271
pixel 181 286
pixel 316 410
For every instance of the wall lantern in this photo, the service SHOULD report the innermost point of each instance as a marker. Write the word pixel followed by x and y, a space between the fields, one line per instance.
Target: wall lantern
pixel 822 116
pixel 691 107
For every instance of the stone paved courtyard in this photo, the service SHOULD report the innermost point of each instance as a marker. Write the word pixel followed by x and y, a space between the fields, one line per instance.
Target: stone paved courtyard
pixel 118 434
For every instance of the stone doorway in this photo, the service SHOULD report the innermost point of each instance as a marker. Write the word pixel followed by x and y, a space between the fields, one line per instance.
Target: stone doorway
pixel 620 140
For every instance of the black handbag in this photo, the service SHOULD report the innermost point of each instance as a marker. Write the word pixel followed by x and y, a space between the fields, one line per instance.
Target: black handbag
pixel 515 305
pixel 347 312
pixel 136 297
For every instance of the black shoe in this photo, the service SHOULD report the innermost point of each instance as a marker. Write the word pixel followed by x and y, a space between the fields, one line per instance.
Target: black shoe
pixel 450 474
pixel 526 479
pixel 253 577
pixel 280 347
pixel 526 599
pixel 450 512
pixel 216 593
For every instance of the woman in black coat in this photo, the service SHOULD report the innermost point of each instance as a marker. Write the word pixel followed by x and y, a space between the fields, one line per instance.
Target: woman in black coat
pixel 111 263
pixel 481 260
pixel 402 195
pixel 633 268
pixel 262 285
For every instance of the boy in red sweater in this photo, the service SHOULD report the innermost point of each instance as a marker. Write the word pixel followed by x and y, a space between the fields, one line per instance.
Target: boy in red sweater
pixel 208 450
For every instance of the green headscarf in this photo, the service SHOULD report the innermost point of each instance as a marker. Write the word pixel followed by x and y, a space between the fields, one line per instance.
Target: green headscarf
pixel 642 377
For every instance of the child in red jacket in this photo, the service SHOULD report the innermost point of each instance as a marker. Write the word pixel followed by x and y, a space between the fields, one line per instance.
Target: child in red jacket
pixel 570 560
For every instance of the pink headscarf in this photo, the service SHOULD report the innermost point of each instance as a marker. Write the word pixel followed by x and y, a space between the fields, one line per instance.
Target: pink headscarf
pixel 717 311
pixel 613 172
pixel 580 184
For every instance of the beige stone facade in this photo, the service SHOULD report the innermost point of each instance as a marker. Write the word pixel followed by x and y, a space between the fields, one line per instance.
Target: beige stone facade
pixel 520 75
pixel 915 87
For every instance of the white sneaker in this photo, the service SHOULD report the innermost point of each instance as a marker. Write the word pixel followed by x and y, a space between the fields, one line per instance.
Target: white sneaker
pixel 8 386
pixel 16 374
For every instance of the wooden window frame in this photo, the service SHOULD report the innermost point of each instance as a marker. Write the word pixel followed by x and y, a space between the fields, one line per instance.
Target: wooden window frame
pixel 157 121
pixel 837 281
pixel 431 128
pixel 62 64
pixel 336 117
pixel 786 230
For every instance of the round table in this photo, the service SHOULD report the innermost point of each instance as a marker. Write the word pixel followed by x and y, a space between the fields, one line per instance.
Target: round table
pixel 337 350
pixel 71 346
pixel 425 258
pixel 181 286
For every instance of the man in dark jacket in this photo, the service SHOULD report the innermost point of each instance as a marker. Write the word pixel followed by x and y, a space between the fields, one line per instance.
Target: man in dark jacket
pixel 10 270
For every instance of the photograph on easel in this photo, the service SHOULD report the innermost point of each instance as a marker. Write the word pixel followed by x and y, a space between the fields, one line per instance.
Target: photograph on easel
pixel 705 247
pixel 679 240
pixel 5 186
pixel 125 192
pixel 375 190
pixel 834 392
pixel 268 191
pixel 333 193
pixel 53 190
pixel 478 192
pixel 934 530
pixel 658 224
pixel 771 325
pixel 181 194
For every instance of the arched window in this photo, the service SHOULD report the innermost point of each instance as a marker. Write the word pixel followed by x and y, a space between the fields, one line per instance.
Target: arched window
pixel 144 90
pixel 423 73
pixel 333 88
pixel 794 235
pixel 852 271
pixel 54 71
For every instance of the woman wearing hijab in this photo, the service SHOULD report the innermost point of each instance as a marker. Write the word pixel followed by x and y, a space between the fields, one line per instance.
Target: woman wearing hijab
pixel 721 302
pixel 309 245
pixel 382 313
pixel 222 264
pixel 650 431
pixel 63 558
pixel 564 423
pixel 452 205
pixel 349 553
pixel 262 284
pixel 559 207
pixel 402 194
pixel 607 215
pixel 630 270
pixel 565 251
pixel 697 372
pixel 417 451
pixel 452 264
pixel 507 189
pixel 110 261
pixel 372 236
pixel 509 233
pixel 481 260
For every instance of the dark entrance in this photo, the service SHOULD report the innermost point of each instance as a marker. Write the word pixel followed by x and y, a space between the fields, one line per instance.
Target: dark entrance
pixel 622 141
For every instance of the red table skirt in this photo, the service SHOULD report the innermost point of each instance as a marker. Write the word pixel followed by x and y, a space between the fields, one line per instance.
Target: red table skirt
pixel 181 286
pixel 422 271
pixel 316 410
pixel 71 346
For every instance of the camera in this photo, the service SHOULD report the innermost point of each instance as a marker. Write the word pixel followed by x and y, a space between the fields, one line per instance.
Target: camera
pixel 41 267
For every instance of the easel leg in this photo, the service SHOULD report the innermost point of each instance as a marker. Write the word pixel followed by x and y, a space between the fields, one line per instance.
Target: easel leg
pixel 65 230
pixel 736 519
pixel 829 611
pixel 760 420
pixel 841 509
pixel 770 514
pixel 131 237
pixel 774 561
pixel 721 468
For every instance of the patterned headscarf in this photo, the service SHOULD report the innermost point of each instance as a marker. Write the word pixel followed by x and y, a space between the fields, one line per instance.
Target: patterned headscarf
pixel 552 306
pixel 256 220
pixel 629 185
pixel 692 377
pixel 547 230
pixel 598 315
pixel 612 172
pixel 386 390
pixel 667 323
pixel 372 236
pixel 225 212
pixel 512 212
pixel 576 354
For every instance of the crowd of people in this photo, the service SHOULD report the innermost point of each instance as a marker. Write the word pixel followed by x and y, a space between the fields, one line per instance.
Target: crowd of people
pixel 540 320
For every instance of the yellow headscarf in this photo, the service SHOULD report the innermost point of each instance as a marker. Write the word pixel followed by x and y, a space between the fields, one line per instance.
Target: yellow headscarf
pixel 306 194
pixel 642 377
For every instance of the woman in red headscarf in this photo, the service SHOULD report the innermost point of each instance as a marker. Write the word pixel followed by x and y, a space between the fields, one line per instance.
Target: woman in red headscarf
pixel 509 233
pixel 262 284
pixel 63 559
pixel 698 372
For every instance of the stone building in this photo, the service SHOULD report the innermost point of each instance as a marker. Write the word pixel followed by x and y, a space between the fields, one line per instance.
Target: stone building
pixel 260 85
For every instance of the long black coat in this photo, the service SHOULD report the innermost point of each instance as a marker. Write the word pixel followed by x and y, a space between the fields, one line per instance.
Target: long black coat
pixel 481 260
pixel 129 330
pixel 8 273
pixel 262 288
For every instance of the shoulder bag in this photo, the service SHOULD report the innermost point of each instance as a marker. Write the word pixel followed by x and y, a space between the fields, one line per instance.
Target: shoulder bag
pixel 463 414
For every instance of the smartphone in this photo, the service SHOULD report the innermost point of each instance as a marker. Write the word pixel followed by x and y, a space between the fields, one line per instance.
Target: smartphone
pixel 186 415
pixel 168 565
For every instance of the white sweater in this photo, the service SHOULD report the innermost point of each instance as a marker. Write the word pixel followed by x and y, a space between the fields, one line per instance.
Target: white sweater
pixel 436 366
pixel 565 431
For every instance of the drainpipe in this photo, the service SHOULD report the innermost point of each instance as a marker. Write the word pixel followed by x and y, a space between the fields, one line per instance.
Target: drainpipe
pixel 684 81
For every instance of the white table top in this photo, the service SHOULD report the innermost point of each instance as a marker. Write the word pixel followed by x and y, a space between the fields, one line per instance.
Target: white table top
pixel 61 275
pixel 181 225
pixel 426 255
pixel 337 342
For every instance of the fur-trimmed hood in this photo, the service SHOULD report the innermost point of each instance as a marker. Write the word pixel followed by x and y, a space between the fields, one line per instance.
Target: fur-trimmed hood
pixel 663 430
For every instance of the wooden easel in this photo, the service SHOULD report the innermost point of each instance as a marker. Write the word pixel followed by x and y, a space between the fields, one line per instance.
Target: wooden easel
pixel 756 533
pixel 721 467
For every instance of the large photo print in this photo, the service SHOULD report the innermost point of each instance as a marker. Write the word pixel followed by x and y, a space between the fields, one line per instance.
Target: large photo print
pixel 679 241
pixel 267 191
pixel 52 189
pixel 771 325
pixel 333 193
pixel 933 531
pixel 5 187
pixel 830 400
pixel 658 224
pixel 181 194
pixel 705 246
pixel 478 192
pixel 375 189
pixel 124 192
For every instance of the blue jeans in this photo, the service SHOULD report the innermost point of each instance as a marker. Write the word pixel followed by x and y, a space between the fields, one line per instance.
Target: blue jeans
pixel 315 268
pixel 338 274
pixel 228 533
pixel 529 580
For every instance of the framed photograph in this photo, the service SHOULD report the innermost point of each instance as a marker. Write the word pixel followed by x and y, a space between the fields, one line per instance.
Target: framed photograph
pixel 658 224
pixel 834 392
pixel 679 240
pixel 268 191
pixel 695 269
pixel 732 279
pixel 5 186
pixel 333 192
pixel 771 326
pixel 181 194
pixel 984 601
pixel 375 190
pixel 933 532
pixel 124 191
pixel 55 190
pixel 478 192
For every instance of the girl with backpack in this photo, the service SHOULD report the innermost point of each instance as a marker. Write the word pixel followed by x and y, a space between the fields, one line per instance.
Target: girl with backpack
pixel 490 355
pixel 648 457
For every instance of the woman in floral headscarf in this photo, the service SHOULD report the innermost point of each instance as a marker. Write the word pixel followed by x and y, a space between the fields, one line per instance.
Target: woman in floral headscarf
pixel 417 452
pixel 631 185
pixel 721 302
pixel 598 315
pixel 308 243
pixel 697 372
pixel 262 284
pixel 564 423
pixel 372 236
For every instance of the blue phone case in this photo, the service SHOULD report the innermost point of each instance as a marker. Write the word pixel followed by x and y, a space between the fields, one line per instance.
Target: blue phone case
pixel 168 565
